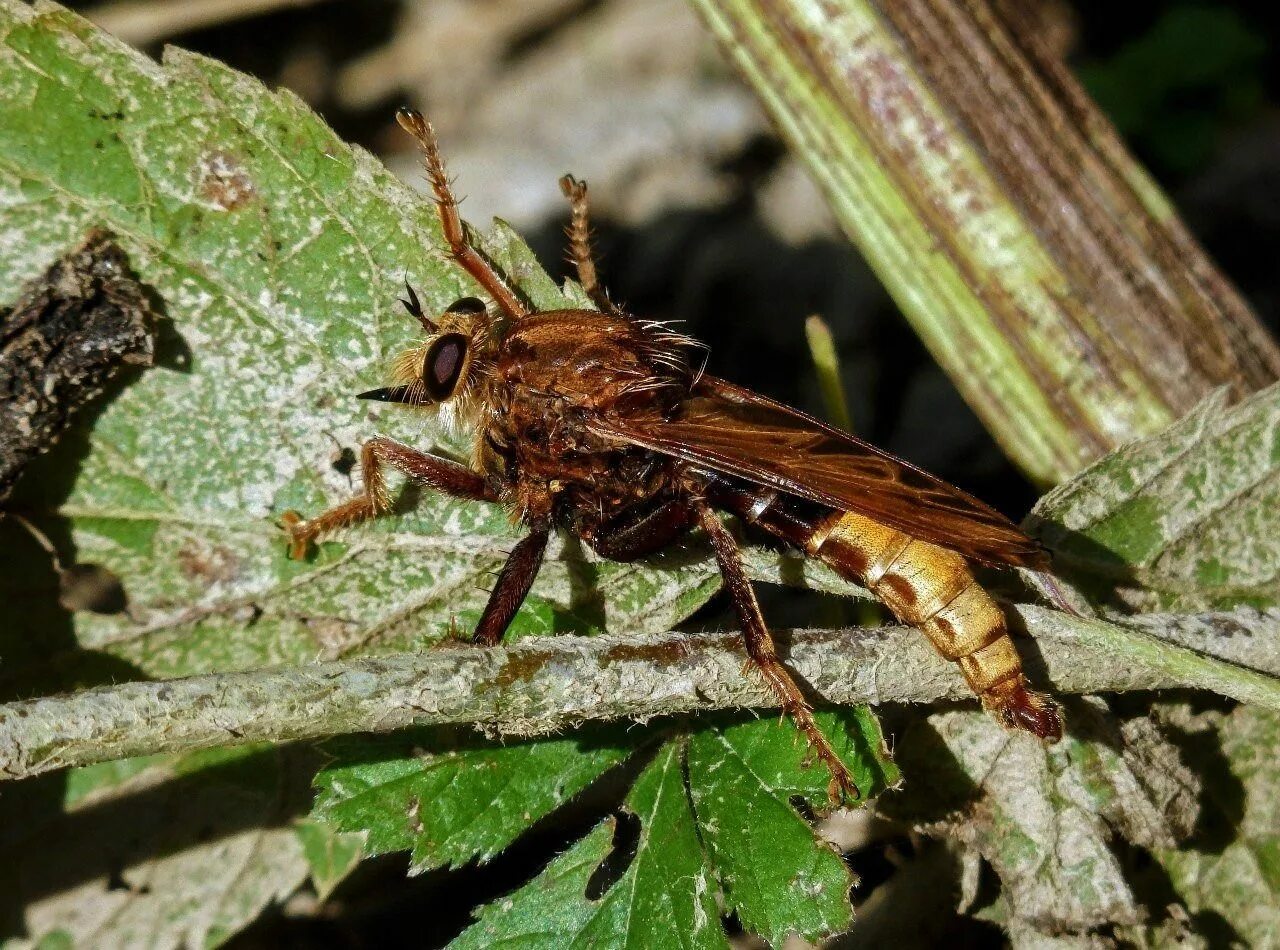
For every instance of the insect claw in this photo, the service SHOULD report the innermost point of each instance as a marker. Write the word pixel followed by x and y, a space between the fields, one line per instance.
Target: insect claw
pixel 300 536
pixel 455 633
pixel 414 306
pixel 572 187
pixel 411 121
pixel 842 788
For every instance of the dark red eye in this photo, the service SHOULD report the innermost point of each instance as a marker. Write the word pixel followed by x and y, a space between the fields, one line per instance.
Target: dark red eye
pixel 444 364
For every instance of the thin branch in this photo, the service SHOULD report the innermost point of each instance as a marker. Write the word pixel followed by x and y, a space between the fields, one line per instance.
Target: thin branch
pixel 541 685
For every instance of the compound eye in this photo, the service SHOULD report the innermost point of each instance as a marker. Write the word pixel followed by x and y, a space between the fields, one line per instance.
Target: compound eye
pixel 446 359
pixel 467 305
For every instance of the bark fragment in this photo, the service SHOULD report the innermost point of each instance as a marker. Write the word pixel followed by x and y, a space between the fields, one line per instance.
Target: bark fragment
pixel 68 333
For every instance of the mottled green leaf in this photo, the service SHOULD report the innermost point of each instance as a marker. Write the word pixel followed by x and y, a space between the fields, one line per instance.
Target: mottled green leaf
pixel 453 798
pixel 1045 817
pixel 183 851
pixel 1188 519
pixel 1228 875
pixel 744 780
pixel 665 897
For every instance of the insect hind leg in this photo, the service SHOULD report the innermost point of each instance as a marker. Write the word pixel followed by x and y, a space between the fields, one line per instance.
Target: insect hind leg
pixel 763 656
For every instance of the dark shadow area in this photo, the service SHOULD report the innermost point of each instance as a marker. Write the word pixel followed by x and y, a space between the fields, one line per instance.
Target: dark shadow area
pixel 36 637
pixel 1098 572
pixel 911 886
pixel 626 842
pixel 1223 802
pixel 587 608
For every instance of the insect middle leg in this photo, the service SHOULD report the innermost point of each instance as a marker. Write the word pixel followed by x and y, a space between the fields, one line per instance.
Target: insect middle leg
pixel 440 474
pixel 513 585
pixel 579 233
pixel 460 248
pixel 763 655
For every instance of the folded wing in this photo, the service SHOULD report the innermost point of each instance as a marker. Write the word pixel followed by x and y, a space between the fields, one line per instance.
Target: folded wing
pixel 732 430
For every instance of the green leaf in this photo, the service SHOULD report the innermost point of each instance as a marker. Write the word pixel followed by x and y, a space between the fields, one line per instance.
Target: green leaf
pixel 331 855
pixel 1185 520
pixel 743 779
pixel 665 898
pixel 455 798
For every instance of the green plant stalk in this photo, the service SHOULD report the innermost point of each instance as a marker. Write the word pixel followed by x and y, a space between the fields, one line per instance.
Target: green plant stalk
pixel 826 363
pixel 1038 263
pixel 543 685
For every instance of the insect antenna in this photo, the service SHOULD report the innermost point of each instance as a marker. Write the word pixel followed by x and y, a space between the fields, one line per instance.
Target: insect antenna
pixel 414 306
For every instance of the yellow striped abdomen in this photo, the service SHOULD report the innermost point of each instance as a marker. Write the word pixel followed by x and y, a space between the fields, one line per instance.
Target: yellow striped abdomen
pixel 934 589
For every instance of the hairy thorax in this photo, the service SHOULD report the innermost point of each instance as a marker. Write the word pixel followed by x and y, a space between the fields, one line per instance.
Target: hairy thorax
pixel 555 374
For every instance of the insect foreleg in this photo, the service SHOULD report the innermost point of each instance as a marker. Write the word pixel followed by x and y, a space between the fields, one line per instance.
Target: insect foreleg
pixel 763 656
pixel 440 474
pixel 460 248
pixel 514 581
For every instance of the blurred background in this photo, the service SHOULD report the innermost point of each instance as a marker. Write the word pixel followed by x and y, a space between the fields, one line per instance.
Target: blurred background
pixel 703 217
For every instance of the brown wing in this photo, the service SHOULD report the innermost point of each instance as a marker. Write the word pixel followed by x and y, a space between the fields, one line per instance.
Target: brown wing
pixel 733 430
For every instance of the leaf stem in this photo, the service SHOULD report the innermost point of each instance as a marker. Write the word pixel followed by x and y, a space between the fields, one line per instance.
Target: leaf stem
pixel 1038 262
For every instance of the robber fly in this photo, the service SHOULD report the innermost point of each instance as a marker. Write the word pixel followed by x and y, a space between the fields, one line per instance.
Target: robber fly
pixel 605 425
